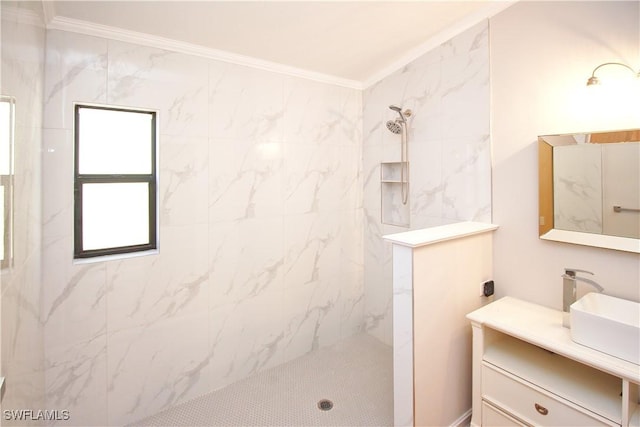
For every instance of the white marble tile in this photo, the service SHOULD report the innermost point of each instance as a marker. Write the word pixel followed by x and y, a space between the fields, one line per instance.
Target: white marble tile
pixel 22 344
pixel 246 337
pixel 183 180
pixel 246 260
pixel 57 188
pixel 173 83
pixel 426 177
pixel 26 194
pixel 174 283
pixel 318 113
pixel 425 100
pixel 26 390
pixel 23 65
pixel 372 241
pixel 474 39
pixel 76 71
pixel 245 103
pixel 323 281
pixel 153 367
pixel 352 241
pixel 378 293
pixel 74 297
pixel 245 180
pixel 467 178
pixel 320 178
pixel 23 44
pixel 313 248
pixel 395 208
pixel 76 380
pixel 313 311
pixel 352 303
pixel 465 94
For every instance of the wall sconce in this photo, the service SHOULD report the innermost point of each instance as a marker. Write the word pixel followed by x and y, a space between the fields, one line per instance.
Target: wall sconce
pixel 593 80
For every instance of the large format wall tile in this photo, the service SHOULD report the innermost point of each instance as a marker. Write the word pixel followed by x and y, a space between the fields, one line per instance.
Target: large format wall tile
pixel 447 90
pixel 184 180
pixel 245 103
pixel 172 83
pixel 246 336
pixel 76 71
pixel 22 78
pixel 245 179
pixel 152 367
pixel 259 216
pixel 175 283
pixel 76 379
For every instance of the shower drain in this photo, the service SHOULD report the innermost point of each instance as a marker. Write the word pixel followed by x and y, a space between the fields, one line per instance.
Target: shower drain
pixel 325 405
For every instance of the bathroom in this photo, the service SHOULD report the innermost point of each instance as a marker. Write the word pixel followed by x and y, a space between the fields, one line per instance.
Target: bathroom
pixel 270 215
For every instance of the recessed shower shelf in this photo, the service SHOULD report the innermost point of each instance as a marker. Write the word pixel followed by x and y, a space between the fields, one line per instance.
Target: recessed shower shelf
pixel 390 172
pixel 393 211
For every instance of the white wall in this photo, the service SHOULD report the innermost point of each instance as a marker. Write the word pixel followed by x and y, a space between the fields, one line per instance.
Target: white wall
pixel 541 56
pixel 23 42
pixel 260 244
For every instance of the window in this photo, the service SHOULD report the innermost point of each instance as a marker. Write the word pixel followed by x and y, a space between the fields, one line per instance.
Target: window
pixel 7 107
pixel 115 181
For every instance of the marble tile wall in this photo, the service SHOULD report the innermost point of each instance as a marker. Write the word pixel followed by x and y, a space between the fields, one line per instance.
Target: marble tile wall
pixel 260 239
pixel 22 77
pixel 449 153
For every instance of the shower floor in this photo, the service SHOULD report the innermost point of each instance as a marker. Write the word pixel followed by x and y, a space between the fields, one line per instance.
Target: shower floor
pixel 355 374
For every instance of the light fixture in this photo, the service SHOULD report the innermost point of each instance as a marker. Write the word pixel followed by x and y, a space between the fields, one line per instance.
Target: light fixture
pixel 593 80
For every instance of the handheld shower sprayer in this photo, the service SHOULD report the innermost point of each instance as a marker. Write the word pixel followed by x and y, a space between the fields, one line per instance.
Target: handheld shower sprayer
pixel 399 127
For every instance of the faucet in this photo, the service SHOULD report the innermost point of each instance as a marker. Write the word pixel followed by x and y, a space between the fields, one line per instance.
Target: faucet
pixel 569 290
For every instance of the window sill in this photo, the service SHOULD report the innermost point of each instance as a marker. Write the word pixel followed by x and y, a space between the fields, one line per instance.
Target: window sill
pixel 115 257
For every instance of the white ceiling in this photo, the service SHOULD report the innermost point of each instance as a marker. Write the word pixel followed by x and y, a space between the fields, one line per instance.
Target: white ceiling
pixel 351 40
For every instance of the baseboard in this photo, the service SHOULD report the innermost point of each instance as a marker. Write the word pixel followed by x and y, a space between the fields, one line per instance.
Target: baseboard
pixel 463 421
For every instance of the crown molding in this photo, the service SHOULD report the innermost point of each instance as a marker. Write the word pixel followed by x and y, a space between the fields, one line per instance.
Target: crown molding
pixel 48 11
pixel 113 33
pixel 440 38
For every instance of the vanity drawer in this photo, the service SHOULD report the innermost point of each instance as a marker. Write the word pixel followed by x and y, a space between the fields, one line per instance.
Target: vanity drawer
pixel 493 417
pixel 529 404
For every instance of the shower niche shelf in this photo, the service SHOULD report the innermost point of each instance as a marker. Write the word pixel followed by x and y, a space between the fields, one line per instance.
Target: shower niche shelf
pixel 393 211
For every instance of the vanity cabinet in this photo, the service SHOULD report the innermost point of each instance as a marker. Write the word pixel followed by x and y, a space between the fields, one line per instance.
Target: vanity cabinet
pixel 527 371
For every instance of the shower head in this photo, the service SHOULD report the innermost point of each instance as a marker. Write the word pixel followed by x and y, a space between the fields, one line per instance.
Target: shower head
pixel 395 126
pixel 395 108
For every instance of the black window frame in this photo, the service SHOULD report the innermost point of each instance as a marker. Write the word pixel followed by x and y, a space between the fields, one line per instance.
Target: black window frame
pixel 80 179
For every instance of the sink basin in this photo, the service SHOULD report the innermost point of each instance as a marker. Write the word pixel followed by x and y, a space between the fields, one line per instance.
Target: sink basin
pixel 607 324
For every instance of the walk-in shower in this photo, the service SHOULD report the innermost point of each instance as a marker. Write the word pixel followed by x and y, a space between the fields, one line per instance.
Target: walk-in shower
pixel 399 127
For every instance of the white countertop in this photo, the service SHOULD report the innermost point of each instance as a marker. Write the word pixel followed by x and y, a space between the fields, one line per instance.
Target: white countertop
pixel 431 235
pixel 542 326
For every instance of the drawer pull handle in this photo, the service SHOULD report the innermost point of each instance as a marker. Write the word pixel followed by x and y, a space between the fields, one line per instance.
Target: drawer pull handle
pixel 541 409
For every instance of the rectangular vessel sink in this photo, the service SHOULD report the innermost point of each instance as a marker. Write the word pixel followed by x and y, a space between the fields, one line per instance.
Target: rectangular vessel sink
pixel 607 324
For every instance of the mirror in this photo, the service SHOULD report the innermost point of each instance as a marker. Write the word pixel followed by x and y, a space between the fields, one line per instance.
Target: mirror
pixel 589 189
